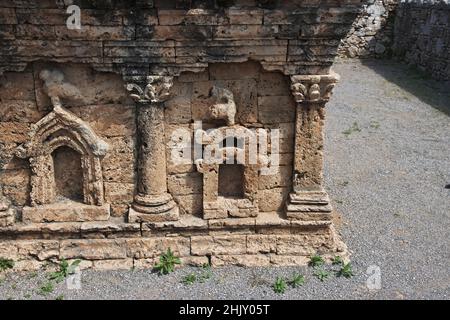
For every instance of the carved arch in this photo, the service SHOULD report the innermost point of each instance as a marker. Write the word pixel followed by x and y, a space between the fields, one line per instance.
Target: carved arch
pixel 57 129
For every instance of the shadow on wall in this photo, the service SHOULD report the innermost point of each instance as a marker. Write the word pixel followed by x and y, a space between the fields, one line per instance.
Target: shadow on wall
pixel 418 83
pixel 422 36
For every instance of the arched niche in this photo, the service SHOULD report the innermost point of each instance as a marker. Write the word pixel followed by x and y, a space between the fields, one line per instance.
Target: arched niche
pixel 58 131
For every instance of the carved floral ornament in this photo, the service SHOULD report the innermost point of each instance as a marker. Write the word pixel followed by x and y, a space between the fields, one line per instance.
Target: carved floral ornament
pixel 156 90
pixel 315 88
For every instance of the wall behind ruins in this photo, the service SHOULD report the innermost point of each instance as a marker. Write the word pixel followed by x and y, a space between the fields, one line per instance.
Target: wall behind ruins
pixel 372 32
pixel 422 36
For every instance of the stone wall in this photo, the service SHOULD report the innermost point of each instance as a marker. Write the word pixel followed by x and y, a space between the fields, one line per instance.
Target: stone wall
pixel 422 36
pixel 372 31
pixel 89 121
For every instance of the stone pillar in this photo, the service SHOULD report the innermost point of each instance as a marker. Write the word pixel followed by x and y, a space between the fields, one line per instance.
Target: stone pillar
pixel 152 203
pixel 309 200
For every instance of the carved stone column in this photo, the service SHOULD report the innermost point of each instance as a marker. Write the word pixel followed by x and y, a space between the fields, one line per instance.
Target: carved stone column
pixel 152 203
pixel 309 200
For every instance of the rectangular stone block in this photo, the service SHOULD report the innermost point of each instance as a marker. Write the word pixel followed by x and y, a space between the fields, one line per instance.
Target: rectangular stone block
pixel 65 212
pixel 276 109
pixel 54 49
pixel 282 178
pixel 218 245
pixel 304 245
pixel 119 192
pixel 239 32
pixel 178 110
pixel 8 250
pixel 247 260
pixel 93 249
pixel 261 244
pixel 190 204
pixel 245 16
pixel 119 162
pixel 37 249
pixel 16 185
pixel 17 86
pixel 35 32
pixel 14 132
pixel 289 260
pixel 198 33
pixel 226 71
pixel 7 32
pixel 109 120
pixel 191 17
pixel 154 247
pixel 273 84
pixel 116 264
pixel 186 183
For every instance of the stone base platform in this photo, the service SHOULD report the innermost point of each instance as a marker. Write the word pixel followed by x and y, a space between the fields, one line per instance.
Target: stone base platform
pixel 268 240
pixel 65 212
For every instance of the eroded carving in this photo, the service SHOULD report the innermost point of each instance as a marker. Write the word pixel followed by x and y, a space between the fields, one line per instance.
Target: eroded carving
pixel 57 129
pixel 313 88
pixel 61 128
pixel 56 88
pixel 223 106
pixel 216 154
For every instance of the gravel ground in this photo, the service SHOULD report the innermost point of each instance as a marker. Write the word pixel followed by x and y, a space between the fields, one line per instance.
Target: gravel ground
pixel 387 162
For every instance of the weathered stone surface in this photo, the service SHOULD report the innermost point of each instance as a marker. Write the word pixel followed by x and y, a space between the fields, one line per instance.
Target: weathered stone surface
pixel 109 120
pixel 16 185
pixel 7 217
pixel 272 199
pixel 372 30
pixel 40 250
pixel 207 245
pixel 289 260
pixel 303 244
pixel 261 244
pixel 93 249
pixel 285 111
pixel 420 36
pixel 115 264
pixel 153 247
pixel 8 250
pixel 65 212
pixel 109 229
pixel 185 184
pixel 248 260
pixel 190 204
pixel 89 121
pixel 119 163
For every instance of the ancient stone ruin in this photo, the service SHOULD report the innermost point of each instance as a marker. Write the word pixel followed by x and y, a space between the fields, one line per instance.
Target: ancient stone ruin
pixel 190 125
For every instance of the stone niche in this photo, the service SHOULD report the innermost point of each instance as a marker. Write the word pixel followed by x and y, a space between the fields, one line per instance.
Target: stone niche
pixel 193 125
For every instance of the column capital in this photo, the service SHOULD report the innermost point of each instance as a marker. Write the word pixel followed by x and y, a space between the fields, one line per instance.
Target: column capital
pixel 313 88
pixel 151 89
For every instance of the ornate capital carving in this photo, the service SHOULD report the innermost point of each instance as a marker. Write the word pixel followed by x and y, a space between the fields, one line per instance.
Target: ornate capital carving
pixel 313 88
pixel 157 89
